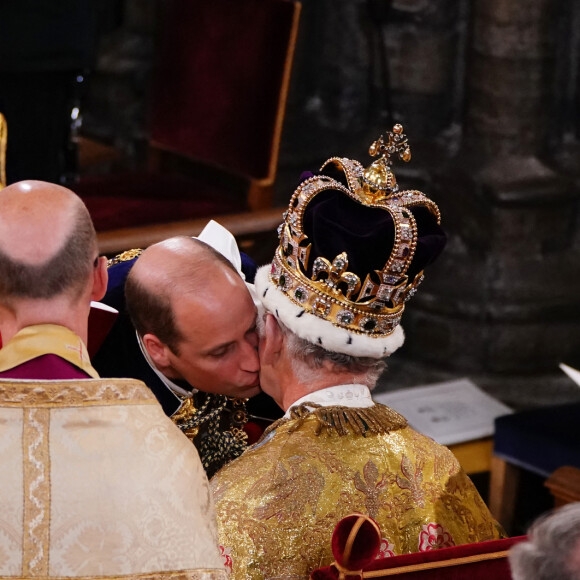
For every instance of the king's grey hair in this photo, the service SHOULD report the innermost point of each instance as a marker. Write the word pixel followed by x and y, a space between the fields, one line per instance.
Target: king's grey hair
pixel 308 359
pixel 552 551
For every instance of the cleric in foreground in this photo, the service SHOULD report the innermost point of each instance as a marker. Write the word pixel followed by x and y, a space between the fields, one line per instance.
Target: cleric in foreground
pixel 96 481
pixel 352 252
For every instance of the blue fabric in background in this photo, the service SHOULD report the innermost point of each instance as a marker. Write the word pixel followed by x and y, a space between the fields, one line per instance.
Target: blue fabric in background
pixel 541 440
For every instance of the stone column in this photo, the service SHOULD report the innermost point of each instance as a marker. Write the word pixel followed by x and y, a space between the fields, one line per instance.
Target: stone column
pixel 503 304
pixel 511 78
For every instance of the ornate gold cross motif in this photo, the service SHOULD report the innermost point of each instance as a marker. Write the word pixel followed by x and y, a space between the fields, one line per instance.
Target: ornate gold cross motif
pixel 336 273
pixel 397 143
pixel 378 180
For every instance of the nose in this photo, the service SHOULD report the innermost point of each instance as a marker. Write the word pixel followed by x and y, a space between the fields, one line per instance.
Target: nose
pixel 250 360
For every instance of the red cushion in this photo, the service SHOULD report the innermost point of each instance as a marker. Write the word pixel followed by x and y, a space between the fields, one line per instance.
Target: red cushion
pixel 496 568
pixel 137 199
pixel 479 561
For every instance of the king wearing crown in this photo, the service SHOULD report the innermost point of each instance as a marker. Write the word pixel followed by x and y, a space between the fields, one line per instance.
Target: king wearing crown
pixel 352 252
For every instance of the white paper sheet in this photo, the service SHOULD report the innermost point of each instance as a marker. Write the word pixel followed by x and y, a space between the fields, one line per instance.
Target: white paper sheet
pixel 572 373
pixel 449 412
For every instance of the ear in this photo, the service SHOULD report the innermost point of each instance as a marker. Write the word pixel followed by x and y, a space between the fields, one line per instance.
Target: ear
pixel 271 344
pixel 100 279
pixel 157 350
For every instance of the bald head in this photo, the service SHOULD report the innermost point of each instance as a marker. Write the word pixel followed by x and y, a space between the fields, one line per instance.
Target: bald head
pixel 47 241
pixel 180 266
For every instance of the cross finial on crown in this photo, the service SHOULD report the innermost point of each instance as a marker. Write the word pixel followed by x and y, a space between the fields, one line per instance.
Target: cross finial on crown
pixel 378 179
pixel 397 143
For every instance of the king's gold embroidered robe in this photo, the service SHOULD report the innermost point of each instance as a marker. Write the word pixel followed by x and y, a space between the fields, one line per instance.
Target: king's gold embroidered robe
pixel 278 503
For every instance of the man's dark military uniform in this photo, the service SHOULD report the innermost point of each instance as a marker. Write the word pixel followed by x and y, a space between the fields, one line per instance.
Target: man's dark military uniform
pixel 121 356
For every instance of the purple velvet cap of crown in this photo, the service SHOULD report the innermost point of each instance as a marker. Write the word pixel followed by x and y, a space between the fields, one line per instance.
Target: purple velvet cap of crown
pixel 336 223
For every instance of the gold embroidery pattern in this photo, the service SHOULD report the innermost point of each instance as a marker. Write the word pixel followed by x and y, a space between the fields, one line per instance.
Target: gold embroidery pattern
pixel 125 256
pixel 371 486
pixel 411 478
pixel 36 492
pixel 344 420
pixel 179 575
pixel 287 505
pixel 74 393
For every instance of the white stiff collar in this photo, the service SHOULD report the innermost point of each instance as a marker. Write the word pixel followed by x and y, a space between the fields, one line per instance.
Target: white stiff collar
pixel 175 389
pixel 344 395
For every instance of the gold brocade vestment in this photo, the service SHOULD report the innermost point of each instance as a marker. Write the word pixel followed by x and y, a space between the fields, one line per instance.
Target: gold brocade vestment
pixel 277 504
pixel 97 482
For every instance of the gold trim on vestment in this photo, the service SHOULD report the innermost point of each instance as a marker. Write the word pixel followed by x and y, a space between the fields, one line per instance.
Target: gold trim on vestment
pixel 433 565
pixel 36 474
pixel 74 393
pixel 198 574
pixel 125 256
pixel 37 340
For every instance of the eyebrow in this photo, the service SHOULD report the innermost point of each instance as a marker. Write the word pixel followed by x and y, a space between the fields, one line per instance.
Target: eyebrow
pixel 219 347
pixel 226 344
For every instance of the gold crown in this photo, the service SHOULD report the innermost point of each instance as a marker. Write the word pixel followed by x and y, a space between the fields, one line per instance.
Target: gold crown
pixel 374 306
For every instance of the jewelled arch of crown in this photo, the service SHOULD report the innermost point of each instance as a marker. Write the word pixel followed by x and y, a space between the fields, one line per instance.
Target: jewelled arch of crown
pixel 375 306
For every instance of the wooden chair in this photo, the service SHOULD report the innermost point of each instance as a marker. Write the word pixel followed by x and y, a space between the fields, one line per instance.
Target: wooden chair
pixel 3 142
pixel 217 109
pixel 564 485
pixel 355 546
